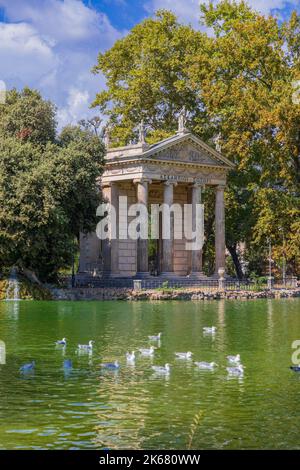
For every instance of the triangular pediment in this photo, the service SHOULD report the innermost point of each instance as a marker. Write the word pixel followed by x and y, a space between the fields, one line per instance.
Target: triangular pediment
pixel 187 148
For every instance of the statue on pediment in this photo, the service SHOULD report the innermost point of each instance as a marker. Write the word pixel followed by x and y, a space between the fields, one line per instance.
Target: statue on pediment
pixel 182 118
pixel 142 132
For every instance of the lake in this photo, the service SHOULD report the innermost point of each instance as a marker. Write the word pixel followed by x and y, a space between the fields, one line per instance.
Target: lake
pixel 88 408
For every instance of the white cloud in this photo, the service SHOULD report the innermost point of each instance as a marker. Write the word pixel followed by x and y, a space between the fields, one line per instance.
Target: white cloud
pixel 52 45
pixel 19 43
pixel 189 12
pixel 77 103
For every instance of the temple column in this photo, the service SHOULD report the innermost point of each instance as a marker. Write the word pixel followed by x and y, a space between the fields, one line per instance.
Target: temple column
pixel 142 244
pixel 106 243
pixel 168 244
pixel 114 242
pixel 196 255
pixel 219 228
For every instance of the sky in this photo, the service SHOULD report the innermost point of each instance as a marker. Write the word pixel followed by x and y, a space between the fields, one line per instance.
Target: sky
pixel 51 45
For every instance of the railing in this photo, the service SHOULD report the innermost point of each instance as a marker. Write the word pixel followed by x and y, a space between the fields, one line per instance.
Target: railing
pixel 92 280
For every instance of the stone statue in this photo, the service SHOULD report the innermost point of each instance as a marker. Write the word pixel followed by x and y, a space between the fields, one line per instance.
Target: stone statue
pixel 182 120
pixel 142 132
pixel 218 142
pixel 106 137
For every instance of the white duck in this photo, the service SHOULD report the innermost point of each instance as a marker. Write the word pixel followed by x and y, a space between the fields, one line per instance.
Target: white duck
pixel 184 355
pixel 61 342
pixel 238 370
pixel 147 352
pixel 155 337
pixel 206 365
pixel 162 370
pixel 130 357
pixel 86 347
pixel 209 329
pixel 234 359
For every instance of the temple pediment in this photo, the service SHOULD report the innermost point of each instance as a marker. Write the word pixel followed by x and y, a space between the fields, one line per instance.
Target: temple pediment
pixel 187 148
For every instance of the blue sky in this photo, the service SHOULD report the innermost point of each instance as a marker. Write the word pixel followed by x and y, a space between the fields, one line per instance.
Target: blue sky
pixel 51 45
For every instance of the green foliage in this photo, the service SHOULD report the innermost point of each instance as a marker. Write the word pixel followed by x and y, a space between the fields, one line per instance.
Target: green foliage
pixel 48 192
pixel 147 77
pixel 27 117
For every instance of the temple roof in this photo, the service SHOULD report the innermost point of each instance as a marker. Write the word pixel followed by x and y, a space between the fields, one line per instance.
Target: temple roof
pixel 197 150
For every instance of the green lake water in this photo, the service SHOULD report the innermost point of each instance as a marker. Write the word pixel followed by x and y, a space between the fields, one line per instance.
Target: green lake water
pixel 132 408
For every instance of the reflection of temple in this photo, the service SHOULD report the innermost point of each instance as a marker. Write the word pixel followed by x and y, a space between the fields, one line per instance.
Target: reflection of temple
pixel 171 171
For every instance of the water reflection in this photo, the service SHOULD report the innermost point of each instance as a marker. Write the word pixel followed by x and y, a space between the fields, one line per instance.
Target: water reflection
pixel 132 407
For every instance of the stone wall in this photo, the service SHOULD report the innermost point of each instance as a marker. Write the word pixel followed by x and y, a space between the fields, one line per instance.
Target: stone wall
pixel 167 294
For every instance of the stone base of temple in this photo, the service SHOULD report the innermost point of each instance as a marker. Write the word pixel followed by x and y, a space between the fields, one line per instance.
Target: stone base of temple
pixel 197 275
pixel 142 275
pixel 169 275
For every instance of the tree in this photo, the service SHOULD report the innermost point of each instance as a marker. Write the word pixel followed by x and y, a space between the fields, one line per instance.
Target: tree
pixel 247 91
pixel 28 117
pixel 49 194
pixel 146 76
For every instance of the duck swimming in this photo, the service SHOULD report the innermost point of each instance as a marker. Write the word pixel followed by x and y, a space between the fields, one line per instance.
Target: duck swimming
pixel 61 342
pixel 184 355
pixel 239 370
pixel 130 356
pixel 205 365
pixel 234 359
pixel 209 329
pixel 162 369
pixel 86 347
pixel 147 352
pixel 111 365
pixel 155 337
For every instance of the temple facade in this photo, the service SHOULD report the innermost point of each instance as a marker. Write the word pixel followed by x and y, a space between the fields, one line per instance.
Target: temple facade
pixel 174 170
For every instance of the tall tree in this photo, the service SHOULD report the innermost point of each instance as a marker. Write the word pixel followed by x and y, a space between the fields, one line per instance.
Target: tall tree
pixel 146 76
pixel 49 193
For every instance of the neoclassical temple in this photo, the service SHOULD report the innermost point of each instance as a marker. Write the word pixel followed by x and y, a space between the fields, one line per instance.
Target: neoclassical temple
pixel 173 170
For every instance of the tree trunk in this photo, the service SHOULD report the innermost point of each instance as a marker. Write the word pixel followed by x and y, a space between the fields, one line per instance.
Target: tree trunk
pixel 236 261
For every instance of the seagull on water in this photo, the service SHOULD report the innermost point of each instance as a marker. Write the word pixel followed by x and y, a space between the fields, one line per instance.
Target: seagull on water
pixel 111 365
pixel 209 329
pixel 130 356
pixel 61 342
pixel 86 347
pixel 234 359
pixel 238 370
pixel 27 367
pixel 162 370
pixel 206 365
pixel 147 352
pixel 184 355
pixel 155 337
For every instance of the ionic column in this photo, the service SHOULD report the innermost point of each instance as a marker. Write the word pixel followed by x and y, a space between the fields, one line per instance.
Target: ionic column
pixel 196 262
pixel 106 243
pixel 142 244
pixel 114 242
pixel 168 244
pixel 219 228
